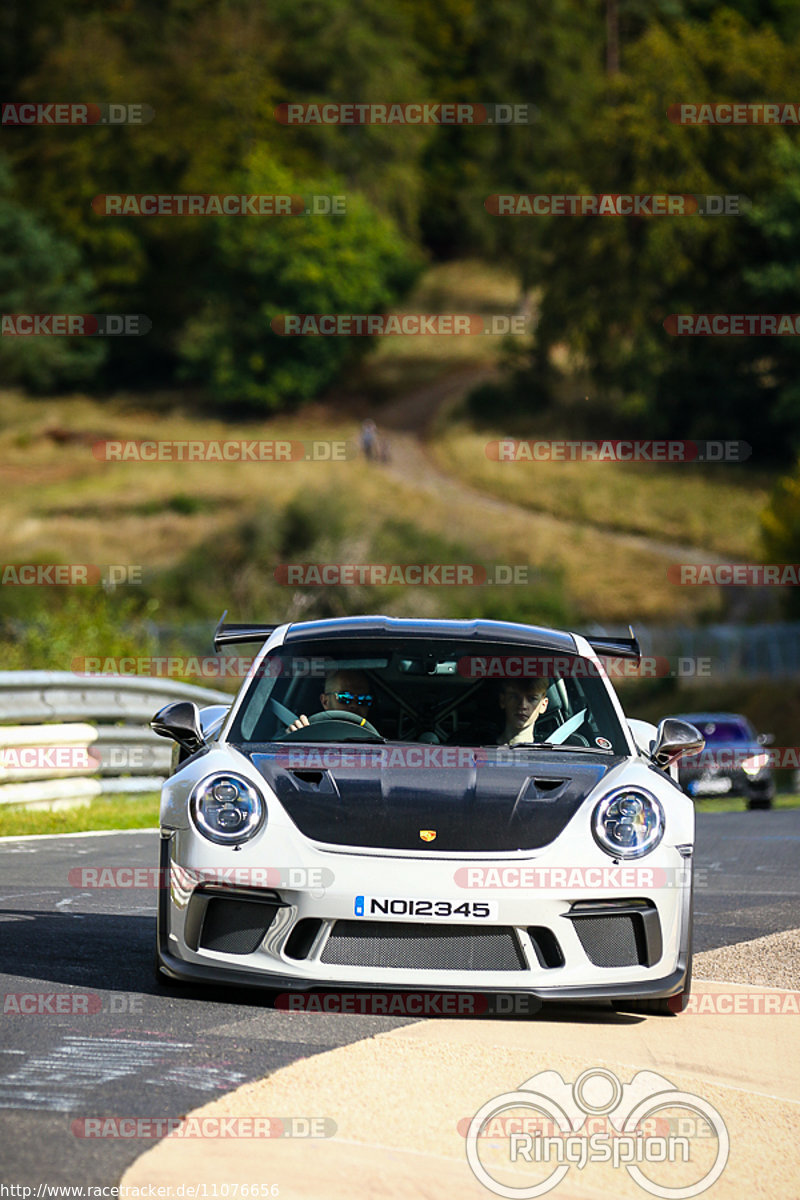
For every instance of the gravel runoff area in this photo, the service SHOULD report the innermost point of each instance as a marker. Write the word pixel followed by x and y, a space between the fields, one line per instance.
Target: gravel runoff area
pixel 772 961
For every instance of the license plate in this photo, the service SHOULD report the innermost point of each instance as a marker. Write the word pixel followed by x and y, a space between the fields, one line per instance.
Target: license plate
pixel 425 910
pixel 710 787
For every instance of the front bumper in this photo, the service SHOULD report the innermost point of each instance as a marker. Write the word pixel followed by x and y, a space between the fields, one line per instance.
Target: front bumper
pixel 662 918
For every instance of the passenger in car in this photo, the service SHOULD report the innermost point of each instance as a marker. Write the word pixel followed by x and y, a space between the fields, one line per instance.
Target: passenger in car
pixel 347 691
pixel 523 701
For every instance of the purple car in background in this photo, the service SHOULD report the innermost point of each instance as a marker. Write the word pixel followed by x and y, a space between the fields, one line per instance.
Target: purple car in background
pixel 733 762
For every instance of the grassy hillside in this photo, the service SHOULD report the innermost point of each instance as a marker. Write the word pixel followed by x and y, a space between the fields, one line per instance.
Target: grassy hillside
pixel 714 508
pixel 210 535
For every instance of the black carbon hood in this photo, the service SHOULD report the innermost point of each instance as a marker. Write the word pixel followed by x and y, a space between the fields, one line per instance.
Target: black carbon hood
pixel 373 797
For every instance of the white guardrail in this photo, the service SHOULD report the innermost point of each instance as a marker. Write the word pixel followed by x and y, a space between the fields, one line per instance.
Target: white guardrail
pixel 67 738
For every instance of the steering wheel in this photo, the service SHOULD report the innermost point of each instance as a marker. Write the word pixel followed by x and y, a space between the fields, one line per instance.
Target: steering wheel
pixel 332 715
pixel 576 739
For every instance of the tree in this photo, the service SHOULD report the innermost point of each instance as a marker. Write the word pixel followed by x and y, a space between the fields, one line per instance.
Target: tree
pixel 608 282
pixel 41 273
pixel 259 269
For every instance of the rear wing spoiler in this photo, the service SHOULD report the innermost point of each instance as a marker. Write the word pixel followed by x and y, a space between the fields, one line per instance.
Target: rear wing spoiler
pixel 616 647
pixel 235 633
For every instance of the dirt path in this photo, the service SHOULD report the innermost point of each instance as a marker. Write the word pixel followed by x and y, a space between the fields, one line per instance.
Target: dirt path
pixel 410 418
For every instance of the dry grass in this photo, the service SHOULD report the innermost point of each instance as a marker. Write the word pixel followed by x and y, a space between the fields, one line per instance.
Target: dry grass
pixel 713 508
pixel 63 505
pixel 66 506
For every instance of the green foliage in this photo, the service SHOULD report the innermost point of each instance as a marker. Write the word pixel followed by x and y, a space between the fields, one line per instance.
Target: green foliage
pixel 39 274
pixel 610 282
pixel 132 812
pixel 261 269
pixel 59 631
pixel 329 526
pixel 780 530
pixel 775 284
pixel 214 72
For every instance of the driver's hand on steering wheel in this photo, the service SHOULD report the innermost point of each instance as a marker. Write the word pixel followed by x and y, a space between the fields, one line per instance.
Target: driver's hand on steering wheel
pixel 301 721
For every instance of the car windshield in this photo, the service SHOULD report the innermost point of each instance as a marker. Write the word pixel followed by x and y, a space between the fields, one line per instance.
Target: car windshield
pixel 725 729
pixel 449 692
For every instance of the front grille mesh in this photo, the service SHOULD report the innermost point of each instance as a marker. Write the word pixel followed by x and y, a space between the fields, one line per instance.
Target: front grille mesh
pixel 609 941
pixel 235 926
pixel 438 948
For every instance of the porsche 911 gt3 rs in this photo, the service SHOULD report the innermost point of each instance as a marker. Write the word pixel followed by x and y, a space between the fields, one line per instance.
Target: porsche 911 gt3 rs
pixel 449 806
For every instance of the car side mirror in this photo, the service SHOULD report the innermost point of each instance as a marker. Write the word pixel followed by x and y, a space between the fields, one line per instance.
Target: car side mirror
pixel 766 739
pixel 180 720
pixel 674 739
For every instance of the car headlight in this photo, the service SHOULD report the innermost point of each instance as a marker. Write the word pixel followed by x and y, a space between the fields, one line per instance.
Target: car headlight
pixel 227 808
pixel 628 823
pixel 755 763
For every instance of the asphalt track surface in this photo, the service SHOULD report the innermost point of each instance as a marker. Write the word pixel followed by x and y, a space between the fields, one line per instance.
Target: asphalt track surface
pixel 156 1053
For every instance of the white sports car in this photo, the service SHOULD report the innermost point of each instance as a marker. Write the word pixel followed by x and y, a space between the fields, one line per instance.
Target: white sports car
pixel 443 806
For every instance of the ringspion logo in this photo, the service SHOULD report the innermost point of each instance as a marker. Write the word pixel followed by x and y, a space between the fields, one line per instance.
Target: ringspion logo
pixel 644 1132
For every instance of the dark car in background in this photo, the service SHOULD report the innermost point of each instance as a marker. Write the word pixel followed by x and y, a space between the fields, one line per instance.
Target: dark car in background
pixel 734 761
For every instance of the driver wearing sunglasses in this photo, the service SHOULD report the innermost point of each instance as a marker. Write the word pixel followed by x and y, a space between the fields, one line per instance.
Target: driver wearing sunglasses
pixel 347 691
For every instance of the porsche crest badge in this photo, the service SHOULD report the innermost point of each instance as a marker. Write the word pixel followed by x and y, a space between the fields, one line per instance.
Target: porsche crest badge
pixel 427 835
